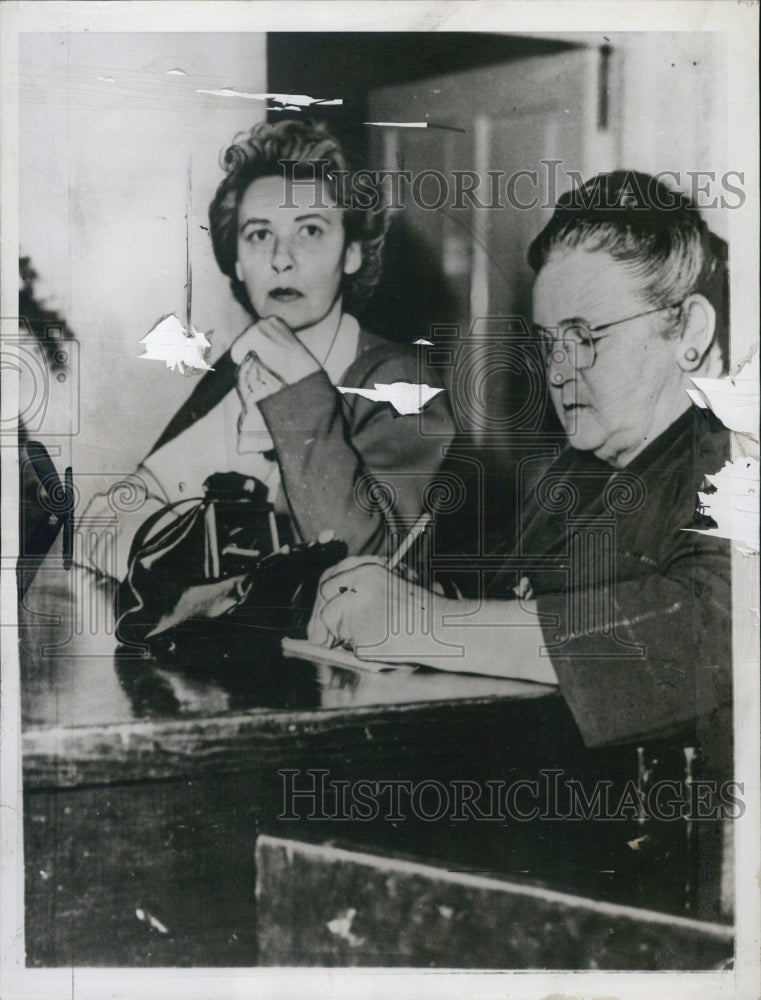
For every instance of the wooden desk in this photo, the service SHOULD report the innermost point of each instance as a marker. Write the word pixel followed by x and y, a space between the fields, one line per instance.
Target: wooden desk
pixel 148 785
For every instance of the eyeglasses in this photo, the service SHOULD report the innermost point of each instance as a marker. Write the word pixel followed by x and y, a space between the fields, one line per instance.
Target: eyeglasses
pixel 579 334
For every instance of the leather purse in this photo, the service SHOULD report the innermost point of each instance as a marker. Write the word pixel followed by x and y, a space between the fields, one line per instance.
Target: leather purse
pixel 209 574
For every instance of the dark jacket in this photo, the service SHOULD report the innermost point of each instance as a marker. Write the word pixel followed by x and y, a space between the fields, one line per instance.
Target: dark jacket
pixel 348 464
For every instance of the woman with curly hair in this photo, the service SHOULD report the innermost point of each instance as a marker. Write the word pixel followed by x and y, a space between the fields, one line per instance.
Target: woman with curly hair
pixel 289 229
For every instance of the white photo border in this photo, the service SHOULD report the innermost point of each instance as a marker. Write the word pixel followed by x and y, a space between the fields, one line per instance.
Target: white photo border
pixel 738 23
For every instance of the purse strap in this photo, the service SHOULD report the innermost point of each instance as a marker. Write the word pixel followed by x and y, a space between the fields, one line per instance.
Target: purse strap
pixel 139 541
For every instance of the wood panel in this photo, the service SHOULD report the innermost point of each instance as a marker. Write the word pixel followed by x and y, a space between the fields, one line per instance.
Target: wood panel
pixel 327 907
pixel 141 875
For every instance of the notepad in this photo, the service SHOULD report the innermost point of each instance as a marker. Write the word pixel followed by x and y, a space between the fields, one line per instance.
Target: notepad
pixel 303 649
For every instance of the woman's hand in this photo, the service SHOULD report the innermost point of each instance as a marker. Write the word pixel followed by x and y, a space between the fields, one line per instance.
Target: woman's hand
pixel 277 350
pixel 383 616
pixel 328 589
pixel 376 612
pixel 255 381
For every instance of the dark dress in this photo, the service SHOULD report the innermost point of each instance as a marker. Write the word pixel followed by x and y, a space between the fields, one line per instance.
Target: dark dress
pixel 635 610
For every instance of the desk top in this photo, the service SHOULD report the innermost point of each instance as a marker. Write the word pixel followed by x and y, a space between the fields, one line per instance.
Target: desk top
pixel 83 695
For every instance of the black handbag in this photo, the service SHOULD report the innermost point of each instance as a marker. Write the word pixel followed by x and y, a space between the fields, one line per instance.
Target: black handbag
pixel 208 576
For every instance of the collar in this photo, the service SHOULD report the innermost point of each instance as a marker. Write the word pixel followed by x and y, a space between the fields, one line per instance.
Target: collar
pixel 343 350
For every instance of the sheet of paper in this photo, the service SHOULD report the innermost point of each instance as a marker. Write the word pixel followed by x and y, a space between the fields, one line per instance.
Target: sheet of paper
pixel 303 649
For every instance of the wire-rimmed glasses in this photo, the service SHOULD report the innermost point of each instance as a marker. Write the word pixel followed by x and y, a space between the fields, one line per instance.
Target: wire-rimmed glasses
pixel 556 341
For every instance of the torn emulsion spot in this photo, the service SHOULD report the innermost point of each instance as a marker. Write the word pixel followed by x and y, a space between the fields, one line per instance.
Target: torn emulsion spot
pixel 446 128
pixel 154 922
pixel 734 506
pixel 405 397
pixel 175 72
pixel 637 843
pixel 422 342
pixel 302 100
pixel 341 928
pixel 398 124
pixel 734 399
pixel 181 350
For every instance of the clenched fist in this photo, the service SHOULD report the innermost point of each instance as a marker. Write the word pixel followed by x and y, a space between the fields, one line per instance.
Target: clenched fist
pixel 278 355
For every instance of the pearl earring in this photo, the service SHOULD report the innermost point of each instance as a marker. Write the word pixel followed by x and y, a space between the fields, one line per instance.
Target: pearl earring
pixel 690 354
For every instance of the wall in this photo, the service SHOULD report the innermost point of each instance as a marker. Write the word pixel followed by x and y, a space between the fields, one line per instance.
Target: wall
pixel 672 113
pixel 657 103
pixel 107 132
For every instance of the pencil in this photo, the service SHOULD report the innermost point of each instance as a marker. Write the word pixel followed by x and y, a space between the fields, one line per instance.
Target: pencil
pixel 409 539
pixel 393 561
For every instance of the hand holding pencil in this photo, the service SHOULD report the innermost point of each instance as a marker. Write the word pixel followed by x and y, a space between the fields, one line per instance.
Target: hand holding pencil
pixel 355 597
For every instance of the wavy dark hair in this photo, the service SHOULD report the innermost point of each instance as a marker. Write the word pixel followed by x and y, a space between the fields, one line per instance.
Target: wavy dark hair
pixel 312 151
pixel 656 231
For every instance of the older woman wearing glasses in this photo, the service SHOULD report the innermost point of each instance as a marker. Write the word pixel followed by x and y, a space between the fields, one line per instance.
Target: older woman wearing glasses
pixel 605 590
